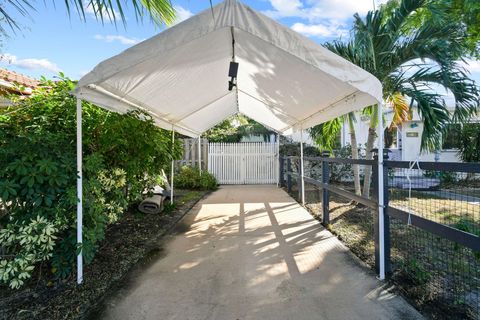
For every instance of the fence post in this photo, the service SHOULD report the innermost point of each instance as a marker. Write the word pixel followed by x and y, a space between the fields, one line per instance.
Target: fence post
pixel 289 177
pixel 376 234
pixel 386 219
pixel 325 192
pixel 281 161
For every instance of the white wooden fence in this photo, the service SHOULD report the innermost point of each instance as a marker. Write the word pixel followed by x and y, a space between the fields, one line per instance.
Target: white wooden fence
pixel 191 153
pixel 244 163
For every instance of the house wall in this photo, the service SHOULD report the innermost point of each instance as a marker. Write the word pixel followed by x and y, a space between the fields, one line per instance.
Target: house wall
pixel 408 140
pixel 259 138
pixel 361 128
pixel 409 137
pixel 411 145
pixel 296 137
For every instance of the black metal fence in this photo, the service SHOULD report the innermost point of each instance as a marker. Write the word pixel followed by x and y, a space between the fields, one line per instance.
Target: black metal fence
pixel 432 223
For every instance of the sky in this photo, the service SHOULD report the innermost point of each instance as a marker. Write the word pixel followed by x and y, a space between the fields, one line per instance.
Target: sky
pixel 50 41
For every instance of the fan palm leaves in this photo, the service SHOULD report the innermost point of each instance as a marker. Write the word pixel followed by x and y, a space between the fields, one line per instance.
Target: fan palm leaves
pixel 325 136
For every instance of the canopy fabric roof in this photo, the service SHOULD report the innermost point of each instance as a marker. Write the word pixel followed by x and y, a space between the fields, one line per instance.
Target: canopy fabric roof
pixel 180 76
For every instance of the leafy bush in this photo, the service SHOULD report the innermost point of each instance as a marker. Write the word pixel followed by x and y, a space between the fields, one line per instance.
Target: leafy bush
pixel 293 149
pixel 342 172
pixel 33 242
pixel 123 155
pixel 191 178
pixel 469 146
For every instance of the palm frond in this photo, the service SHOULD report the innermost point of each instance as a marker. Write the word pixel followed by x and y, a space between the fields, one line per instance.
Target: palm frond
pixel 325 134
pixel 410 59
pixel 22 7
pixel 159 11
pixel 400 107
pixel 434 113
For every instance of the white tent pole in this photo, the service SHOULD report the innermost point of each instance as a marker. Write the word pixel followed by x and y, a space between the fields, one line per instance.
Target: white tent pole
pixel 301 166
pixel 173 169
pixel 79 192
pixel 381 226
pixel 200 154
pixel 278 159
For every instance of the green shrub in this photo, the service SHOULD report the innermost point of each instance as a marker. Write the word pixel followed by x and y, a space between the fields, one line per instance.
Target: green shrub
pixel 123 155
pixel 32 242
pixel 191 178
pixel 469 146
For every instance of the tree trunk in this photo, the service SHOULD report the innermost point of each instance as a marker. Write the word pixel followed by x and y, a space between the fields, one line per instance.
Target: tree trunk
pixel 372 134
pixel 356 169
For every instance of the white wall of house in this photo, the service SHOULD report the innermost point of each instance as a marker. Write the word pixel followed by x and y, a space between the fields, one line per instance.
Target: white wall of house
pixel 296 136
pixel 409 136
pixel 259 138
pixel 361 128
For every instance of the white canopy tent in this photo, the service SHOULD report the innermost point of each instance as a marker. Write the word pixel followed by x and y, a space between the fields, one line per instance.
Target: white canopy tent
pixel 180 77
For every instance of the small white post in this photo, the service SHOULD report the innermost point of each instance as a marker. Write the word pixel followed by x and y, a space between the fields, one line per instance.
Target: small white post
pixel 301 166
pixel 79 192
pixel 381 225
pixel 173 167
pixel 200 154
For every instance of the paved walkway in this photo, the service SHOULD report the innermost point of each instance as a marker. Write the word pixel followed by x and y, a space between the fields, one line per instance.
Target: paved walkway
pixel 251 252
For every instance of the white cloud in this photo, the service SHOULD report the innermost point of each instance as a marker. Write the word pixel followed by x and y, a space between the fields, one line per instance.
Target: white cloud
pixel 119 38
pixel 316 10
pixel 341 9
pixel 286 8
pixel 319 30
pixel 471 65
pixel 182 14
pixel 326 18
pixel 29 63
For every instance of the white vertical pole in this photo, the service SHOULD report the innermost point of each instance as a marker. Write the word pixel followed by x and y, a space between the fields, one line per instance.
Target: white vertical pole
pixel 79 192
pixel 381 226
pixel 278 159
pixel 173 165
pixel 200 154
pixel 301 166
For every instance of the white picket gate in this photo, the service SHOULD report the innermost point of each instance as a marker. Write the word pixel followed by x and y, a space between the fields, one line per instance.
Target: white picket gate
pixel 244 163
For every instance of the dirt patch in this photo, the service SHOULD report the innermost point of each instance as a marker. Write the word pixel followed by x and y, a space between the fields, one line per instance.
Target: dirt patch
pixel 132 240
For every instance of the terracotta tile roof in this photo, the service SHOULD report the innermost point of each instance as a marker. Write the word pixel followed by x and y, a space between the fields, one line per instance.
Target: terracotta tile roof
pixel 12 78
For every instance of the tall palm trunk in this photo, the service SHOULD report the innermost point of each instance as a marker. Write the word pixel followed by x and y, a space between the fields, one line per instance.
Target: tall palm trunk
pixel 372 134
pixel 353 141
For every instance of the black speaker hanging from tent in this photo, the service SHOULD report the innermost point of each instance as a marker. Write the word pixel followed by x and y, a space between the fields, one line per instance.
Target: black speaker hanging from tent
pixel 232 73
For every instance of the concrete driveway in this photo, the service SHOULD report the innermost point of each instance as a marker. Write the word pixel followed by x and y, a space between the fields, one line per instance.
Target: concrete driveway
pixel 251 252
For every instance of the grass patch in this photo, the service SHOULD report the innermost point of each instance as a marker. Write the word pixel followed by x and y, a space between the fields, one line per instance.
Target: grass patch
pixel 459 214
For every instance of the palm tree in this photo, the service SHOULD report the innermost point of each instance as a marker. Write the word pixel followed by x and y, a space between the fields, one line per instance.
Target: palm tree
pixel 411 63
pixel 159 11
pixel 325 135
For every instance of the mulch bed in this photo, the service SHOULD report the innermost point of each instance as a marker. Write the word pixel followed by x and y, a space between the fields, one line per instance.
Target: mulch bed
pixel 128 242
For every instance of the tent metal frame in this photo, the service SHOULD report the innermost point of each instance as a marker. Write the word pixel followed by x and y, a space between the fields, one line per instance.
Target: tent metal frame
pixel 380 134
pixel 176 126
